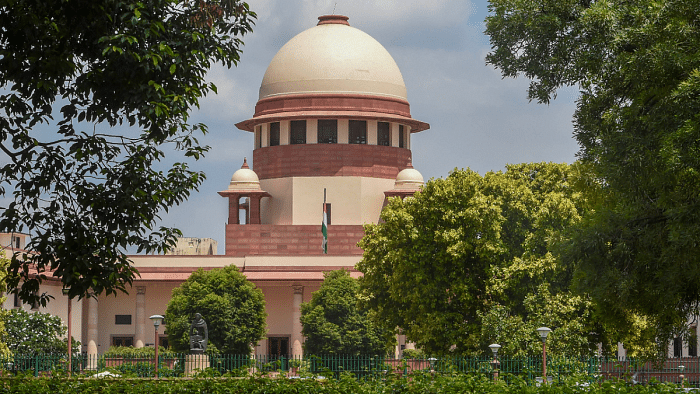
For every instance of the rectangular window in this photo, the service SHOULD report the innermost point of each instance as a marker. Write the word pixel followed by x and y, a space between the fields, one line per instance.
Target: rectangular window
pixel 328 213
pixel 693 343
pixel 122 319
pixel 297 132
pixel 677 347
pixel 122 341
pixel 274 134
pixel 384 134
pixel 258 137
pixel 16 242
pixel 278 346
pixel 358 132
pixel 402 142
pixel 328 131
pixel 17 302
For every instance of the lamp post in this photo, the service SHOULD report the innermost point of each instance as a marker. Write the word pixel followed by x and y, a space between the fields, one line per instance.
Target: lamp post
pixel 544 331
pixel 495 363
pixel 432 361
pixel 682 376
pixel 157 319
pixel 70 337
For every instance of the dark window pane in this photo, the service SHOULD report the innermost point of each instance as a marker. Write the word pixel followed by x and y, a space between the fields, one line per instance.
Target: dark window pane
pixel 384 134
pixel 693 344
pixel 677 347
pixel 298 132
pixel 274 134
pixel 358 132
pixel 122 319
pixel 122 341
pixel 258 133
pixel 401 137
pixel 278 346
pixel 327 131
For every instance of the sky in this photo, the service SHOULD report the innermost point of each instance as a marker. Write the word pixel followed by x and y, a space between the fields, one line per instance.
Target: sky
pixel 478 120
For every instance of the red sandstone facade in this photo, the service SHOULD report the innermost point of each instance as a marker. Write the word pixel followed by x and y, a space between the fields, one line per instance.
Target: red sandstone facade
pixel 330 160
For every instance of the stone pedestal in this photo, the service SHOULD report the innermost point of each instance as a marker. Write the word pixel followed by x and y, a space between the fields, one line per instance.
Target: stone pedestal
pixel 196 362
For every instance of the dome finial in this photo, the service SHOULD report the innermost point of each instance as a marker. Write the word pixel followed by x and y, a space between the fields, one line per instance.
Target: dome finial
pixel 245 163
pixel 333 20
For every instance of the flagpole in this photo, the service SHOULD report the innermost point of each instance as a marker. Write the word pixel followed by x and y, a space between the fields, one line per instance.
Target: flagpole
pixel 324 225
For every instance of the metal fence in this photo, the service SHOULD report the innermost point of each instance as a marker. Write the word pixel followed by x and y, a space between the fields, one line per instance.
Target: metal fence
pixel 677 370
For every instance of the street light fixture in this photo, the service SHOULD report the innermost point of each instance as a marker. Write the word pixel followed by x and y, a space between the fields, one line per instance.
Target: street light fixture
pixel 544 331
pixel 682 376
pixel 495 363
pixel 432 361
pixel 66 291
pixel 157 319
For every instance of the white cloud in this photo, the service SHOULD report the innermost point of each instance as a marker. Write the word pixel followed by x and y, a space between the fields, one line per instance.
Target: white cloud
pixel 478 120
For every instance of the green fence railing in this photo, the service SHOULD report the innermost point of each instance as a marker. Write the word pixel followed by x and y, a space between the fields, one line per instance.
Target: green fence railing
pixel 677 370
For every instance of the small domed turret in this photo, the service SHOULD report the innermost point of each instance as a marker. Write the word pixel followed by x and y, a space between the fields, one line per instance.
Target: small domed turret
pixel 244 179
pixel 409 178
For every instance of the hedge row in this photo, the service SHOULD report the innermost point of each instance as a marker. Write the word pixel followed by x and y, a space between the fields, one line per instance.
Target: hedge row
pixel 418 384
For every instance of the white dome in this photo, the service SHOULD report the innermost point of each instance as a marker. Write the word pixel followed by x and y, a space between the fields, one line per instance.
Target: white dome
pixel 245 178
pixel 333 57
pixel 409 178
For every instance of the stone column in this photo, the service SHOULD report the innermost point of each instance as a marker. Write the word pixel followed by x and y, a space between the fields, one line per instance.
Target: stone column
pixel 233 207
pixel 297 338
pixel 92 328
pixel 140 323
pixel 254 208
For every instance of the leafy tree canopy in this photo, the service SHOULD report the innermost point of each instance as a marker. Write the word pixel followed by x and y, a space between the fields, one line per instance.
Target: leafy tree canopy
pixel 332 322
pixel 233 308
pixel 114 82
pixel 35 333
pixel 637 66
pixel 468 262
pixel 4 262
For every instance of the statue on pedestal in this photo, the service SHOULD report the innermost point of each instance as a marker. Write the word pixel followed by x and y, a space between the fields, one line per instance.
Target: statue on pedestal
pixel 199 335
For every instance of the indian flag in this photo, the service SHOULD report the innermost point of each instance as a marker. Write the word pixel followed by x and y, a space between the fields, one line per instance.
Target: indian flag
pixel 324 229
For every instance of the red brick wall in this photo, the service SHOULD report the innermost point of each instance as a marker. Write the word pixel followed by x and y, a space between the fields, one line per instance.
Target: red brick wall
pixel 268 239
pixel 330 160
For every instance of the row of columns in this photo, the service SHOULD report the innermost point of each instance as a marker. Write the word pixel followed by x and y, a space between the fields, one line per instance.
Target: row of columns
pixel 296 339
pixel 252 207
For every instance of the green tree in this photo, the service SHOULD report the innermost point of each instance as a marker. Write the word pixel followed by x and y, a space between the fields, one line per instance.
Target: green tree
pixel 111 84
pixel 35 333
pixel 637 67
pixel 4 262
pixel 467 262
pixel 233 308
pixel 332 322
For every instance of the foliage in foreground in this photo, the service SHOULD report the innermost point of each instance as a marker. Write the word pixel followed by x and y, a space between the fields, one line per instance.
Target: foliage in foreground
pixel 94 95
pixel 133 352
pixel 4 262
pixel 233 308
pixel 418 384
pixel 469 261
pixel 333 323
pixel 35 333
pixel 637 68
